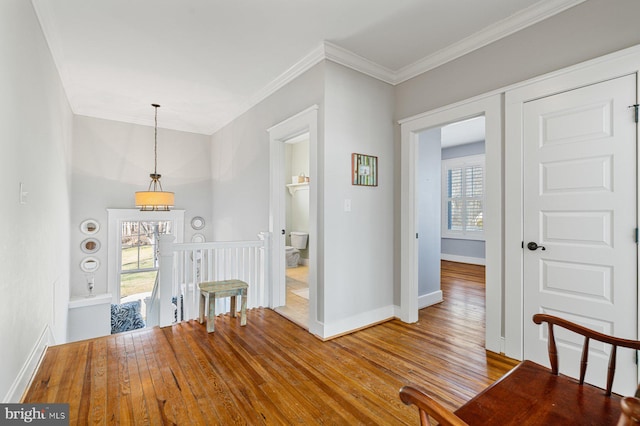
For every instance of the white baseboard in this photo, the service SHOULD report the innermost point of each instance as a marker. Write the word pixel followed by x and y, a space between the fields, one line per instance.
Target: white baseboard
pixel 430 299
pixel 25 374
pixel 356 322
pixel 463 259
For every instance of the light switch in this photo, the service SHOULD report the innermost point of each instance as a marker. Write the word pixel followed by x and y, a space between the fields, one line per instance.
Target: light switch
pixel 347 205
pixel 23 194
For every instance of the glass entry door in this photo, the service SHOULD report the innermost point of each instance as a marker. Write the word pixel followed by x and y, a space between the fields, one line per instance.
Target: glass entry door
pixel 139 258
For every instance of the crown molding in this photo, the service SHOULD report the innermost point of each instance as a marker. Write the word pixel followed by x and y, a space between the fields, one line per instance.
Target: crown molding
pixel 329 51
pixel 514 23
pixel 312 58
pixel 293 72
pixel 349 59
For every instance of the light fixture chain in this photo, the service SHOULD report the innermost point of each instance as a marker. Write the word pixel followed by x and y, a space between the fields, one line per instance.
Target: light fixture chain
pixel 155 146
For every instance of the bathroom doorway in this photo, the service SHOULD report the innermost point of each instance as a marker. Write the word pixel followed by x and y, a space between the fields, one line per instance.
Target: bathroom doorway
pixel 282 135
pixel 296 169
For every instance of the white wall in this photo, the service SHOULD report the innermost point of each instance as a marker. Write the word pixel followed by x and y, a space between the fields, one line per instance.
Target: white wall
pixel 113 160
pixel 35 146
pixel 428 191
pixel 358 267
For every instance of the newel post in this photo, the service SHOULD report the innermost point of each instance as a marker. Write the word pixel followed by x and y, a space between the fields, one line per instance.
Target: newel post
pixel 266 266
pixel 165 278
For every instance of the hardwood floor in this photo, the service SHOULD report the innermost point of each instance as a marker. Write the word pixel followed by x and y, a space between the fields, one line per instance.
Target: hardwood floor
pixel 273 372
pixel 297 307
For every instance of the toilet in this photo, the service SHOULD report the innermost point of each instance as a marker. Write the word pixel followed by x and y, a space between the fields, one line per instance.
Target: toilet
pixel 298 242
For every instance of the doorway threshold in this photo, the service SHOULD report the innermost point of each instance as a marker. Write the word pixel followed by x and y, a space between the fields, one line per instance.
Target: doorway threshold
pixel 301 319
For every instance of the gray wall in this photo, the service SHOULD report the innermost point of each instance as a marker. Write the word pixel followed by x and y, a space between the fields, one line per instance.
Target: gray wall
pixel 358 244
pixel 112 160
pixel 587 31
pixel 240 163
pixel 240 158
pixel 35 149
pixel 355 249
pixel 456 246
pixel 429 188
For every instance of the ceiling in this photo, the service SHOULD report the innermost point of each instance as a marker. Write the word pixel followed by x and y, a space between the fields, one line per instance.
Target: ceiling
pixel 208 61
pixel 463 132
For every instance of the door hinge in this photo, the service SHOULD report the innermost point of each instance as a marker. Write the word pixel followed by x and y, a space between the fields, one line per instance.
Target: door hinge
pixel 522 245
pixel 635 107
pixel 636 235
pixel 416 235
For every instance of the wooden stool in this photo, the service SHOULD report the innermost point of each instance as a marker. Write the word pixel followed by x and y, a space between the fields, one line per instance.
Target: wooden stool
pixel 216 289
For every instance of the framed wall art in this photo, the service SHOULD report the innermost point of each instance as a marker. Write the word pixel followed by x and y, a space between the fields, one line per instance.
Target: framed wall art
pixel 364 170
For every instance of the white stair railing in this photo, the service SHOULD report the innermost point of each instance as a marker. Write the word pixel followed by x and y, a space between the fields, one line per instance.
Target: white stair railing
pixel 193 263
pixel 152 305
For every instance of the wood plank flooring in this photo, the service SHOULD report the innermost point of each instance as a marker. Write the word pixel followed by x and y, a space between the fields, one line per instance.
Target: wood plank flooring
pixel 274 372
pixel 296 308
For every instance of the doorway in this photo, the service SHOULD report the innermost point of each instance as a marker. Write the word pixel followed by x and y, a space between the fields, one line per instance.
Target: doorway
pixel 411 128
pixel 139 259
pixel 450 201
pixel 302 123
pixel 132 250
pixel 296 165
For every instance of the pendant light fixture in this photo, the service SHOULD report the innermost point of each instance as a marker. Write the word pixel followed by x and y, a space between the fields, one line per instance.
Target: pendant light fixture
pixel 154 198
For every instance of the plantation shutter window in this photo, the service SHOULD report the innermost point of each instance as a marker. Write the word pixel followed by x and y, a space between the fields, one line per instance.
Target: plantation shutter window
pixel 463 197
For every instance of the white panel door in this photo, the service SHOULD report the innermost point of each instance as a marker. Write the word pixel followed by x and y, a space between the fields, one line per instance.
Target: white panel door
pixel 580 206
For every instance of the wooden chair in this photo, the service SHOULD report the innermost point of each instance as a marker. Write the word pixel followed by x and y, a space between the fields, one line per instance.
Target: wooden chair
pixel 428 406
pixel 627 412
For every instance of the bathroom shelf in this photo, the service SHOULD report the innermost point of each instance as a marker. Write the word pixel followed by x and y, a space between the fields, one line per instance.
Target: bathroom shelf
pixel 293 187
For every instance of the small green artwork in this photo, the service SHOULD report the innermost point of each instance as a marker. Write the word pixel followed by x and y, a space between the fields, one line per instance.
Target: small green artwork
pixel 364 170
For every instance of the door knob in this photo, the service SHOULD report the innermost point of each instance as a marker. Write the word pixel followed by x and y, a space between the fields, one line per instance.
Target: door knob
pixel 534 246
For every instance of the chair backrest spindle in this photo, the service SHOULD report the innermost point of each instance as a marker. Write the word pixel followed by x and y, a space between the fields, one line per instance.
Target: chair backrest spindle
pixel 553 350
pixel 615 342
pixel 584 360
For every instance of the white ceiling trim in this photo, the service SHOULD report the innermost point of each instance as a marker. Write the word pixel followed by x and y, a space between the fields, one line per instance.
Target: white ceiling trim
pixel 349 59
pixel 516 22
pixel 329 51
pixel 312 58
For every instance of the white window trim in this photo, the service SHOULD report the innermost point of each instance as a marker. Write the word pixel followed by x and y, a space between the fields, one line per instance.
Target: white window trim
pixel 115 219
pixel 459 162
